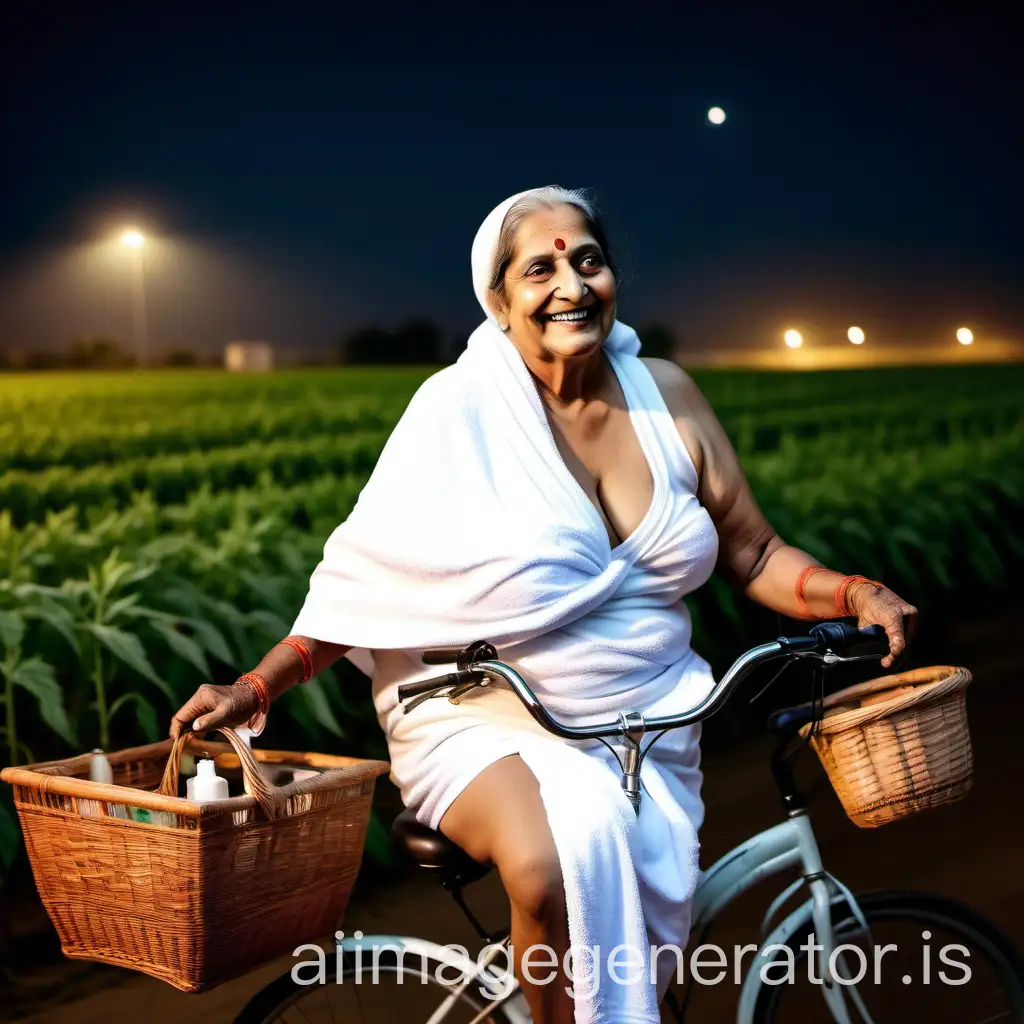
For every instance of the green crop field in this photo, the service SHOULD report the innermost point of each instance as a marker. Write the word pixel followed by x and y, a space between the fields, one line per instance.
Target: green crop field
pixel 158 530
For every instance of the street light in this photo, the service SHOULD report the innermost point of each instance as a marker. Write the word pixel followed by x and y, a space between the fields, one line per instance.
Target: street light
pixel 965 335
pixel 135 241
pixel 794 339
pixel 856 335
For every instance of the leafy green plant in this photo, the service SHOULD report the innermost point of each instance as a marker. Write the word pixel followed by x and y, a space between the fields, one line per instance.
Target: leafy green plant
pixel 35 676
pixel 30 673
pixel 109 617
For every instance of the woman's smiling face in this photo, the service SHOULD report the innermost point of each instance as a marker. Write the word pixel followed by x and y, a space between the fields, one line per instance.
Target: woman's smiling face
pixel 559 289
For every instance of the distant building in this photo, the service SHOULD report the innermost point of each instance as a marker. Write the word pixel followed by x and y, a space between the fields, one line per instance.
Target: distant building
pixel 248 356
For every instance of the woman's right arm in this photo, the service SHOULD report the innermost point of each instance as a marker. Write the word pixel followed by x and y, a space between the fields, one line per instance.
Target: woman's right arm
pixel 213 706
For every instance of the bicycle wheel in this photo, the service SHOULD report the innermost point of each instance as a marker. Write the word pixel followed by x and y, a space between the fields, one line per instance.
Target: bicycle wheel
pixel 949 964
pixel 407 989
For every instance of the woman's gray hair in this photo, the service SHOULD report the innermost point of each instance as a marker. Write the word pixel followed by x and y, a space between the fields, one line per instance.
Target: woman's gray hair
pixel 542 198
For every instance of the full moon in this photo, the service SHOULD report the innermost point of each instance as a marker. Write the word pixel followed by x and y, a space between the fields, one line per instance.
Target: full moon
pixel 716 115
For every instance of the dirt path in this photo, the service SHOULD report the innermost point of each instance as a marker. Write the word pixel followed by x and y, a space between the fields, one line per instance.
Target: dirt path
pixel 970 850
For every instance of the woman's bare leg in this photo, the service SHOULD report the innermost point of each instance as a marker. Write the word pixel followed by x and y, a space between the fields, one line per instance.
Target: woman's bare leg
pixel 500 817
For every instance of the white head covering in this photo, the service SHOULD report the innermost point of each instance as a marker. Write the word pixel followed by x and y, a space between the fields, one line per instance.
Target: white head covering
pixel 484 244
pixel 621 338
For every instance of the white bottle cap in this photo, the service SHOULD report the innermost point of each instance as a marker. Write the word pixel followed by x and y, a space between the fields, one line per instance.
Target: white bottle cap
pixel 205 766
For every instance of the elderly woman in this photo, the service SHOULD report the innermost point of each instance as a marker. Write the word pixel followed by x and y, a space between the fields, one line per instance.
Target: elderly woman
pixel 557 495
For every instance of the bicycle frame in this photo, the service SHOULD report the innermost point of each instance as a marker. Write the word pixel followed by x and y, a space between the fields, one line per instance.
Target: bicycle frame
pixel 790 844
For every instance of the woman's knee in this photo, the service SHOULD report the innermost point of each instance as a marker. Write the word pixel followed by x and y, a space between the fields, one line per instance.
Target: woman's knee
pixel 500 817
pixel 532 877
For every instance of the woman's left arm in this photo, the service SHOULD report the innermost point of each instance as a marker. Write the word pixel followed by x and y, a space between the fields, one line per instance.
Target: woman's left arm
pixel 751 554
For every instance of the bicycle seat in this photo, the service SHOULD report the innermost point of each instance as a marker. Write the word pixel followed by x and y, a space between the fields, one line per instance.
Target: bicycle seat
pixel 432 849
pixel 786 721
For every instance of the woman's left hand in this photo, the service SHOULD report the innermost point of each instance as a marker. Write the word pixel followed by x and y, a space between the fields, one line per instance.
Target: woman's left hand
pixel 874 605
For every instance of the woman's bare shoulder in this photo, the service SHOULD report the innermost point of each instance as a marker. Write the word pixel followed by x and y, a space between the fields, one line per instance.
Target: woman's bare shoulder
pixel 673 381
pixel 684 402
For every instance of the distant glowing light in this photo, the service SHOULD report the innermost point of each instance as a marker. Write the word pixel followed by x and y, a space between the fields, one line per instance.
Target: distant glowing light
pixel 856 335
pixel 132 238
pixel 794 339
pixel 716 115
pixel 965 335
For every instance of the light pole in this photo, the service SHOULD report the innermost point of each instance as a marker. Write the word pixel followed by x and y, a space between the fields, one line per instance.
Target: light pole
pixel 135 241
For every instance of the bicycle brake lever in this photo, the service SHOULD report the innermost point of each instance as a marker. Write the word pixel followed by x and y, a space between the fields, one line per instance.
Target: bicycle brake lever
pixel 415 702
pixel 831 658
pixel 453 693
pixel 457 692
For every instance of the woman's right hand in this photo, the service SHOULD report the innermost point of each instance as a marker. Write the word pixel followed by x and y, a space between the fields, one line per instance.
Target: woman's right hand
pixel 212 707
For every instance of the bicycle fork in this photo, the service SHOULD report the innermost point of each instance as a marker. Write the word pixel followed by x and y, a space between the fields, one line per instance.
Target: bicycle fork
pixel 820 883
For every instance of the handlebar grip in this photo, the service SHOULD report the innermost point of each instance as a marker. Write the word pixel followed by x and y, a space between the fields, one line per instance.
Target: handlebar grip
pixel 873 640
pixel 440 656
pixel 849 641
pixel 406 690
pixel 462 675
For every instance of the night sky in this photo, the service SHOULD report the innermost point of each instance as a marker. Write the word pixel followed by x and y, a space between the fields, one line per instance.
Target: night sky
pixel 305 172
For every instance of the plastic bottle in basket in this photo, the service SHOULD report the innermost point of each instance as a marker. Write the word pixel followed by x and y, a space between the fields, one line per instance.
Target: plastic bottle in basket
pixel 99 768
pixel 100 771
pixel 207 784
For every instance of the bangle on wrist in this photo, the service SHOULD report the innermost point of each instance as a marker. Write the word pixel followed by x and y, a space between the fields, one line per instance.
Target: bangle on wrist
pixel 801 582
pixel 299 647
pixel 259 685
pixel 842 603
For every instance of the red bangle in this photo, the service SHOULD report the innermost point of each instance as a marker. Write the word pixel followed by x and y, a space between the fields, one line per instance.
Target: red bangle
pixel 801 582
pixel 259 684
pixel 304 656
pixel 842 587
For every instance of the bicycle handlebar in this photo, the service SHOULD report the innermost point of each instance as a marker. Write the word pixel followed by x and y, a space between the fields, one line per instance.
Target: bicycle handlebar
pixel 831 642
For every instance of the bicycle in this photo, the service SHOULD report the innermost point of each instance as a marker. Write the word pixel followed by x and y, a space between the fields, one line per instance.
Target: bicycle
pixel 413 979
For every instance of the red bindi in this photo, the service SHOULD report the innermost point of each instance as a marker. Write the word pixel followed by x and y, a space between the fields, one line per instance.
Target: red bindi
pixel 559 244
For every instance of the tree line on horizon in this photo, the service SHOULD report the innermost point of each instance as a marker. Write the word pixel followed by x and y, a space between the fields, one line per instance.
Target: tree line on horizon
pixel 420 342
pixel 417 341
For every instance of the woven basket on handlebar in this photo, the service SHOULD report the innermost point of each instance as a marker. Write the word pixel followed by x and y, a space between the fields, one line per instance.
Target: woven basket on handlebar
pixel 897 745
pixel 198 893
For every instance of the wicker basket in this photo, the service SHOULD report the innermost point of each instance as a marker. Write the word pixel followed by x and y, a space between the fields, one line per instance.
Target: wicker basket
pixel 897 745
pixel 199 893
